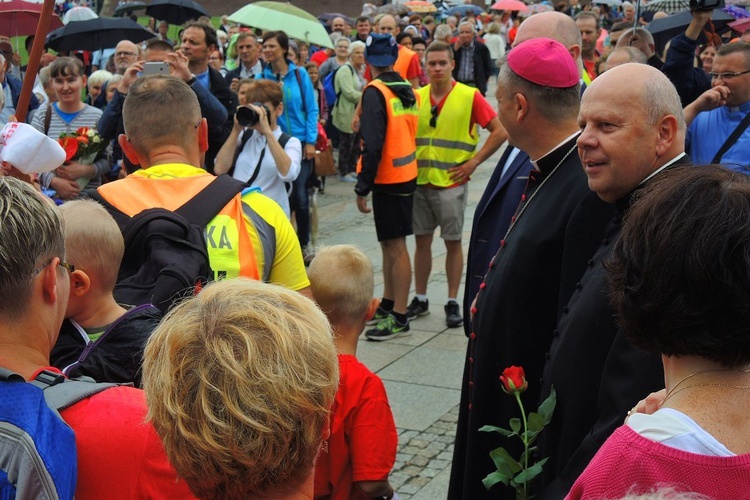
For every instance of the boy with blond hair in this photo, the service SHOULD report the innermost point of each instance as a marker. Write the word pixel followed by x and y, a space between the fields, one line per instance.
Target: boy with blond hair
pixel 356 459
pixel 99 337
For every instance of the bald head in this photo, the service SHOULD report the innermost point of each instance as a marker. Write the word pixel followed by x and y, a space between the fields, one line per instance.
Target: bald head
pixel 624 55
pixel 555 25
pixel 126 54
pixel 338 25
pixel 388 25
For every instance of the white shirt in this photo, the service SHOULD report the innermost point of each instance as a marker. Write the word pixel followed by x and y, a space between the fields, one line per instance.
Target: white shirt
pixel 269 179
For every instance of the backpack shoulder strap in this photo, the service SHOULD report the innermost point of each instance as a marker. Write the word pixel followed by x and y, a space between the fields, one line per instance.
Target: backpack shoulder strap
pixel 204 206
pixel 47 118
pixel 301 90
pixel 70 392
pixel 9 376
pixel 732 138
pixel 283 139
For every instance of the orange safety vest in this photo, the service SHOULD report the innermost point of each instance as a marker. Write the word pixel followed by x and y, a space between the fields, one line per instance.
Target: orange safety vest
pixel 401 66
pixel 398 161
pixel 232 256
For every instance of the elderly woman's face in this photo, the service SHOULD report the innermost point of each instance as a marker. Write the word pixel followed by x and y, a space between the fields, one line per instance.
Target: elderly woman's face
pixel 358 57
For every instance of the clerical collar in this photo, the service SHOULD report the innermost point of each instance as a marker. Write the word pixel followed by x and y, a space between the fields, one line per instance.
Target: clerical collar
pixel 549 160
pixel 623 204
pixel 668 164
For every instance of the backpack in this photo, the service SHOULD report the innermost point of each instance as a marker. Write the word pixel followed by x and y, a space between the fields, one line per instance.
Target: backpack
pixel 37 448
pixel 329 86
pixel 166 255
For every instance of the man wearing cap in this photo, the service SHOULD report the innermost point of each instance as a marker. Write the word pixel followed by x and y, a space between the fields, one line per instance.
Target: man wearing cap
pixel 554 232
pixel 388 168
pixel 450 114
pixel 508 182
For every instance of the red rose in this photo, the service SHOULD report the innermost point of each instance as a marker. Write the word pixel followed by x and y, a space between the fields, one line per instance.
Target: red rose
pixel 514 380
pixel 70 145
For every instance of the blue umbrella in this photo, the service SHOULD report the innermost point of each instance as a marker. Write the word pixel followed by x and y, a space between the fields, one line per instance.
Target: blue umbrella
pixel 461 10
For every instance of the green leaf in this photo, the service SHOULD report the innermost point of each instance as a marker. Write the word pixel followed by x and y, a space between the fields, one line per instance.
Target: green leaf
pixel 499 430
pixel 547 408
pixel 535 422
pixel 532 449
pixel 531 436
pixel 505 464
pixel 530 473
pixel 492 479
pixel 515 424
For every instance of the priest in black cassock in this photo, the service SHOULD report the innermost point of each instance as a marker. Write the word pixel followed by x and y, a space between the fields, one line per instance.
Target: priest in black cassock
pixel 553 234
pixel 597 374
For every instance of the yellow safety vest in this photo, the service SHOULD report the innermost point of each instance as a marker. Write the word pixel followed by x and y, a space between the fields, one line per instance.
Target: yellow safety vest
pixel 451 141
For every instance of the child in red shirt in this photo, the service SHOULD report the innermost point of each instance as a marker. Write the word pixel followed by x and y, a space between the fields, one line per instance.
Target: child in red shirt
pixel 355 461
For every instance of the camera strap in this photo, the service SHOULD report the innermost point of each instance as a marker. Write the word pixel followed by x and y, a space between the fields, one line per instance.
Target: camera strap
pixel 283 139
pixel 732 138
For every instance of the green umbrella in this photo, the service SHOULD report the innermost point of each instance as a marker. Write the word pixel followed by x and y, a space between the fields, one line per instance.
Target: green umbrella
pixel 295 22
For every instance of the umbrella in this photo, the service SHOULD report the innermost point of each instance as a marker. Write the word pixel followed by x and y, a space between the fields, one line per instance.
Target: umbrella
pixel 175 11
pixel 610 3
pixel 510 5
pixel 19 18
pixel 740 25
pixel 393 9
pixel 330 16
pixel 420 6
pixel 668 6
pixel 666 28
pixel 128 7
pixel 79 14
pixel 95 34
pixel 293 21
pixel 461 10
pixel 736 12
pixel 540 7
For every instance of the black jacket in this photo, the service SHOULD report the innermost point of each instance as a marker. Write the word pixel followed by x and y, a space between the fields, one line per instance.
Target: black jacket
pixel 482 65
pixel 114 357
pixel 529 282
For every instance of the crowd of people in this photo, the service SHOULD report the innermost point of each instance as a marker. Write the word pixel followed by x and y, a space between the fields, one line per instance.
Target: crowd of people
pixel 175 261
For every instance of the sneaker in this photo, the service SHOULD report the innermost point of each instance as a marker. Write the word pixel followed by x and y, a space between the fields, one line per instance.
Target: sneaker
pixel 453 316
pixel 308 254
pixel 389 328
pixel 380 315
pixel 418 308
pixel 347 178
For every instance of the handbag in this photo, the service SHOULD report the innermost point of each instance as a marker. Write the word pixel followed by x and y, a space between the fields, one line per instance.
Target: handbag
pixel 324 164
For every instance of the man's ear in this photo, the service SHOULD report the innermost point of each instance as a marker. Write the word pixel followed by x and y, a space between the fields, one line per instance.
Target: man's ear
pixel 128 149
pixel 575 52
pixel 80 283
pixel 667 129
pixel 50 282
pixel 521 106
pixel 203 135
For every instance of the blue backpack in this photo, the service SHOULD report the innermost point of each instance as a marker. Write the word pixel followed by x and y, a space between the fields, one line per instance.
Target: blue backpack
pixel 329 86
pixel 37 448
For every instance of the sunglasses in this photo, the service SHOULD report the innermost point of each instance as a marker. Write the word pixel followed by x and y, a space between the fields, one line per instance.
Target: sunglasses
pixel 433 119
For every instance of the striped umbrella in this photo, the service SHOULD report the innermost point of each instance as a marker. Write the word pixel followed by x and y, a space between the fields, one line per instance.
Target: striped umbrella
pixel 668 6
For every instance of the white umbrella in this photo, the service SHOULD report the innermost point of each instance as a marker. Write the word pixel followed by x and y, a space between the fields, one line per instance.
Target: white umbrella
pixel 79 14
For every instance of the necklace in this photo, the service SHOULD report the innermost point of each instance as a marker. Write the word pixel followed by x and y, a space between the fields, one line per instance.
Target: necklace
pixel 675 389
pixel 541 185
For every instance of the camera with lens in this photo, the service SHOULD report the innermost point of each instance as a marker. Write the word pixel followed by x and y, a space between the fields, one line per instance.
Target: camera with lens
pixel 247 117
pixel 706 4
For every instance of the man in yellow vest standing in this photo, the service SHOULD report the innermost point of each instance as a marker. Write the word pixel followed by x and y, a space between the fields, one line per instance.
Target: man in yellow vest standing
pixel 388 168
pixel 450 114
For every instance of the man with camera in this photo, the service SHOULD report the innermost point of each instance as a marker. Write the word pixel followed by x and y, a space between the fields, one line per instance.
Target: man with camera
pixel 165 134
pixel 160 59
pixel 257 151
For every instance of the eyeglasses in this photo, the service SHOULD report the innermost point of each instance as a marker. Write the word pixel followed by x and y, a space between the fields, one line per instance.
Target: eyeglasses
pixel 728 76
pixel 125 54
pixel 70 267
pixel 434 112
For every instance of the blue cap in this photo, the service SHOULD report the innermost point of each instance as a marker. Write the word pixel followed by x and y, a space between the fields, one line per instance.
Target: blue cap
pixel 381 50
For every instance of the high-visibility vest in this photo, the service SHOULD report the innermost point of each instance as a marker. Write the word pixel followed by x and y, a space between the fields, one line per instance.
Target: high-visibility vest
pixel 398 162
pixel 401 66
pixel 230 250
pixel 451 141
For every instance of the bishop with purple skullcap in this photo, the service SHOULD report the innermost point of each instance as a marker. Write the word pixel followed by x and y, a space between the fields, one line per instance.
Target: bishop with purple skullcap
pixel 545 62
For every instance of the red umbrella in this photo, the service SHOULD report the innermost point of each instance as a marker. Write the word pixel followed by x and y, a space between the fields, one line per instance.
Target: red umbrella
pixel 19 18
pixel 510 5
pixel 740 25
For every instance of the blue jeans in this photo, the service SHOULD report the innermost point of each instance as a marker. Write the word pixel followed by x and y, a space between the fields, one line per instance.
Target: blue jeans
pixel 299 202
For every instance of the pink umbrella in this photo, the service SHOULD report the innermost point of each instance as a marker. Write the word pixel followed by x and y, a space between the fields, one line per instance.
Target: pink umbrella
pixel 510 5
pixel 740 25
